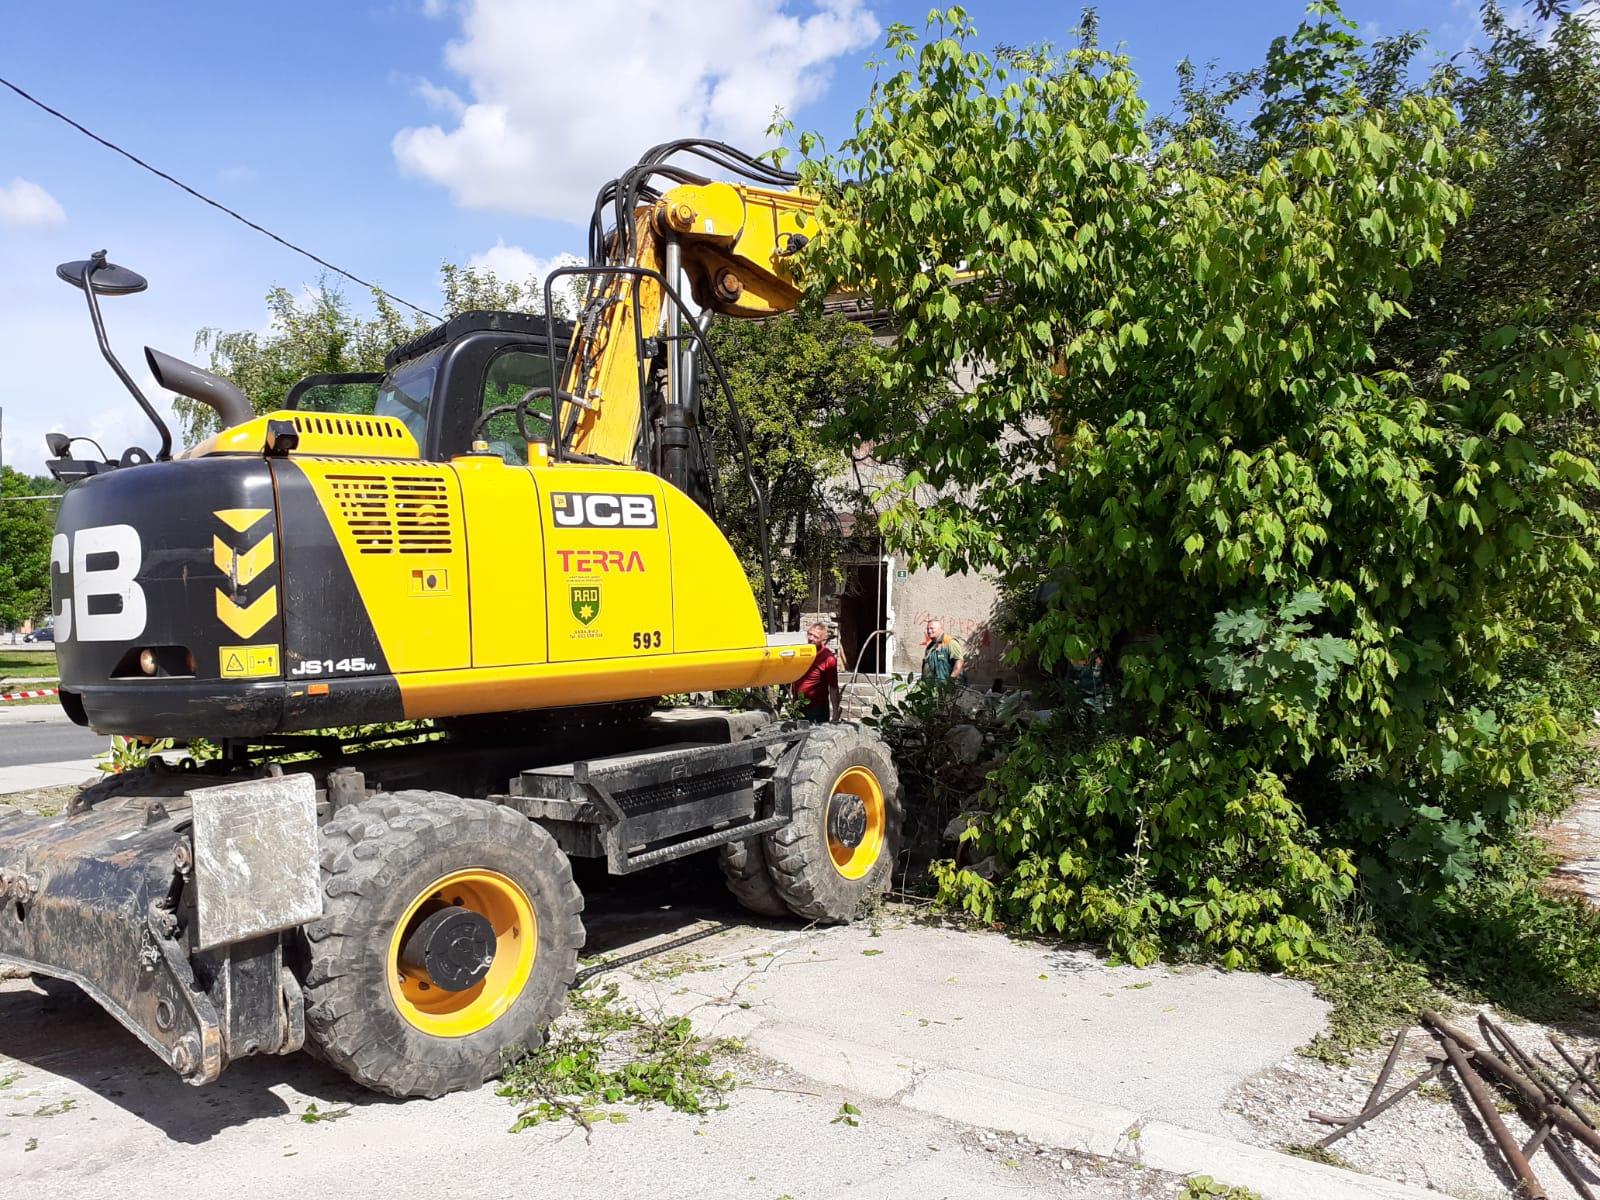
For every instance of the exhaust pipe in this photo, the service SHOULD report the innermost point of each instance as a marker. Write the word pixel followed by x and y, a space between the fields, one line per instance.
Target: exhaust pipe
pixel 175 375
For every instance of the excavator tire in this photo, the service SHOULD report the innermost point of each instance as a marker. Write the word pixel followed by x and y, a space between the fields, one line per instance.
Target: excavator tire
pixel 412 881
pixel 744 865
pixel 838 852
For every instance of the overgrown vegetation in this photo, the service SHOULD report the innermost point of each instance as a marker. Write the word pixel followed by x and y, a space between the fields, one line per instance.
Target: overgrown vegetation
pixel 1372 988
pixel 605 1054
pixel 925 727
pixel 1256 427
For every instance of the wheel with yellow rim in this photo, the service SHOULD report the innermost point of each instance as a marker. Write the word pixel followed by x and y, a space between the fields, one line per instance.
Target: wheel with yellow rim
pixel 837 852
pixel 449 936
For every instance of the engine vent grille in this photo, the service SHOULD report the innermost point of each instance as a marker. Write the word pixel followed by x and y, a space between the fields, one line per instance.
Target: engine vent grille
pixel 398 514
pixel 343 426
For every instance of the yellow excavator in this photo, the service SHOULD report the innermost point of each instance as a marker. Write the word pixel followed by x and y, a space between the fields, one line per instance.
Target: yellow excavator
pixel 510 530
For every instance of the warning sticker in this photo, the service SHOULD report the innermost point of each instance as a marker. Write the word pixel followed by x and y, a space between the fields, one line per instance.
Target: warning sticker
pixel 248 662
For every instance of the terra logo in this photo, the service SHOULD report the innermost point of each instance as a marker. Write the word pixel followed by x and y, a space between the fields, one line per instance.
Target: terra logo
pixel 602 510
pixel 591 562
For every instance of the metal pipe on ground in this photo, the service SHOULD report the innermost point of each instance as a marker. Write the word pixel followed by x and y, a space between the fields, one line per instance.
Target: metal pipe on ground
pixel 1519 1083
pixel 1484 1103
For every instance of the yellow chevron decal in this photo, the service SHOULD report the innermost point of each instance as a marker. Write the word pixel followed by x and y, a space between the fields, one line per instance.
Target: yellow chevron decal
pixel 240 519
pixel 242 566
pixel 247 620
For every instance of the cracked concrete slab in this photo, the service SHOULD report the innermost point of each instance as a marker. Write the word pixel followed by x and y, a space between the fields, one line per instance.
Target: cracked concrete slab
pixel 1162 1043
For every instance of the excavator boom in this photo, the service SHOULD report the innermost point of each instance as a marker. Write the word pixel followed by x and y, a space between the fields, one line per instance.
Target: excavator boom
pixel 733 244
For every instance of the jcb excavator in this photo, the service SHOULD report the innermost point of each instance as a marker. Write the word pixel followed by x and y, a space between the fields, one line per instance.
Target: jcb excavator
pixel 509 530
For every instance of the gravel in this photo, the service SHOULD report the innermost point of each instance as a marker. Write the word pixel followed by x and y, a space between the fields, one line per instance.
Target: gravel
pixel 1433 1138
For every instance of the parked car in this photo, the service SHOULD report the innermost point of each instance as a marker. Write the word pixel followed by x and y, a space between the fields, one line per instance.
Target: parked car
pixel 45 633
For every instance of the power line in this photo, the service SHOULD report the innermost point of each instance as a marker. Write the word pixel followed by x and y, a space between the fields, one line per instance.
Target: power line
pixel 133 158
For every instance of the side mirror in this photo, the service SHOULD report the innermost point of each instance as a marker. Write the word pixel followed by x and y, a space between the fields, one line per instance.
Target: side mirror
pixel 95 277
pixel 58 443
pixel 109 279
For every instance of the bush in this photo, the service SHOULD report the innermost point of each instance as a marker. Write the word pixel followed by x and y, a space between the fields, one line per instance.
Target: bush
pixel 1306 567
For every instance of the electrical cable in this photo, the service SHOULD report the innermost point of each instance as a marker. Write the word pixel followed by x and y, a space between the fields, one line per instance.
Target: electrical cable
pixel 135 159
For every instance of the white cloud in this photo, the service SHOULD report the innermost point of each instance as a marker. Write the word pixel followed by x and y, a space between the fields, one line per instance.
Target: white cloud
pixel 566 96
pixel 434 8
pixel 441 98
pixel 515 265
pixel 26 203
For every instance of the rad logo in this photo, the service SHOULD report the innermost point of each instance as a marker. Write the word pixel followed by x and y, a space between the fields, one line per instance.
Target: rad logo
pixel 602 510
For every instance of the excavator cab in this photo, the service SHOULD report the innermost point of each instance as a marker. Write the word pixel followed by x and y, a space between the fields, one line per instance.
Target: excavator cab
pixel 442 382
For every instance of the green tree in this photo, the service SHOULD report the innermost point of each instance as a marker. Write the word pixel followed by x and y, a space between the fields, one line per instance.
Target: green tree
pixel 1521 269
pixel 790 377
pixel 26 526
pixel 1303 565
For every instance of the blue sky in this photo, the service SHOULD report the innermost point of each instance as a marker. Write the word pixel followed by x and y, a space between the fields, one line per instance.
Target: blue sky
pixel 388 137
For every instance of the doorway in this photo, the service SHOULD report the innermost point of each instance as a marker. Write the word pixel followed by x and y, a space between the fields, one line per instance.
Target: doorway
pixel 863 612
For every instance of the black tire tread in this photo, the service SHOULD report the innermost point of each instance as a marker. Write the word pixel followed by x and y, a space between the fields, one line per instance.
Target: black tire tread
pixel 802 869
pixel 744 866
pixel 362 846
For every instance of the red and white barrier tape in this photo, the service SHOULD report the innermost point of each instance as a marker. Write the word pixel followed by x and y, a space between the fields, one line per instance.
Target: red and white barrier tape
pixel 38 695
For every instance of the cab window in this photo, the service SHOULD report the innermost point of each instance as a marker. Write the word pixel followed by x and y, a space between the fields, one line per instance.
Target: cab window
pixel 350 394
pixel 405 395
pixel 512 374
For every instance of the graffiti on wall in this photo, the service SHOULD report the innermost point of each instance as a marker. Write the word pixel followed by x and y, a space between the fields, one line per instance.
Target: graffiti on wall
pixel 971 632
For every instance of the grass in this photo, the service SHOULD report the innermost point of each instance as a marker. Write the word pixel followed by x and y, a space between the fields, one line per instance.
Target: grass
pixel 47 802
pixel 606 1054
pixel 1373 990
pixel 27 662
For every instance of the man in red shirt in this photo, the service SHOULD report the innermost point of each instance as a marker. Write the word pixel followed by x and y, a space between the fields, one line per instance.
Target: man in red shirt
pixel 819 686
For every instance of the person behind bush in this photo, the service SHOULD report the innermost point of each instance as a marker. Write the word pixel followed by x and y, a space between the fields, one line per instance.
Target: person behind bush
pixel 943 658
pixel 819 686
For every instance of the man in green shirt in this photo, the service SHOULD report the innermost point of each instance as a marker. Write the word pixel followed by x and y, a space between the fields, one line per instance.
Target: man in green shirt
pixel 943 658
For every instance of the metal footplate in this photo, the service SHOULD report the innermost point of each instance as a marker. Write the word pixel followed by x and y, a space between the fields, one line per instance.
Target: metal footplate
pixel 647 807
pixel 167 910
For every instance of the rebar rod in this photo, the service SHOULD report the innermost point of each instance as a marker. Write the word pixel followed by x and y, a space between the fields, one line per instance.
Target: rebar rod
pixel 1484 1103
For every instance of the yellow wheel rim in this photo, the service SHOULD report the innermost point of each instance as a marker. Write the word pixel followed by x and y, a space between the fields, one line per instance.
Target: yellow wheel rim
pixel 507 908
pixel 853 862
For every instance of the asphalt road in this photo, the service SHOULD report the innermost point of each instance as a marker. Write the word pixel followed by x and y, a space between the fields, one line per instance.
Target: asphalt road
pixel 41 733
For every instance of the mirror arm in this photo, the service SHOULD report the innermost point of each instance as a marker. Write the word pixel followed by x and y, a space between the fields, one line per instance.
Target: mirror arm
pixel 97 261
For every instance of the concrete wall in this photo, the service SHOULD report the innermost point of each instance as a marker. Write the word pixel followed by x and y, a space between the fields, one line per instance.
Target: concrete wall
pixel 965 603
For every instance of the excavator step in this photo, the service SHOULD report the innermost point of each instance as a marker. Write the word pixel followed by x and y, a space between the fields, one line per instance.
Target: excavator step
pixel 644 807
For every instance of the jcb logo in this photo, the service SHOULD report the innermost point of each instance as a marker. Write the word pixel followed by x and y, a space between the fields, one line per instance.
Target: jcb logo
pixel 103 603
pixel 602 510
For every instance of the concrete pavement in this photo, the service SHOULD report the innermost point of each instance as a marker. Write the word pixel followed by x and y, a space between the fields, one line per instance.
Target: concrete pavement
pixel 943 1038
